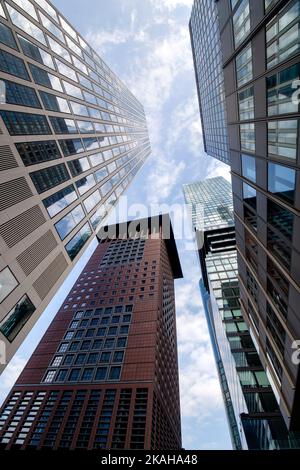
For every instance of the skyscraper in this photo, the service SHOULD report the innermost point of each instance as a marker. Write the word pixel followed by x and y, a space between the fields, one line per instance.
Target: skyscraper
pixel 72 139
pixel 105 375
pixel 207 55
pixel 254 418
pixel 260 49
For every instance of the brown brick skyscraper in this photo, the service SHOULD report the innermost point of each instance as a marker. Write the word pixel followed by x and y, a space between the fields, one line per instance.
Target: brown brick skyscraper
pixel 105 374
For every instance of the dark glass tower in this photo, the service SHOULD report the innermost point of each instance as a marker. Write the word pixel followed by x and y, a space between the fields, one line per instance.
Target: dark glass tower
pixel 260 58
pixel 254 419
pixel 105 374
pixel 72 138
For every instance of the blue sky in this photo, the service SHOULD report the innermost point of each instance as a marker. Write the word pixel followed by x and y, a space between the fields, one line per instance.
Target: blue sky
pixel 146 42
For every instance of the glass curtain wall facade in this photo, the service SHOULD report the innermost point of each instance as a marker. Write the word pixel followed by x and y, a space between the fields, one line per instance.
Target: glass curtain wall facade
pixel 254 418
pixel 105 374
pixel 261 71
pixel 205 38
pixel 72 139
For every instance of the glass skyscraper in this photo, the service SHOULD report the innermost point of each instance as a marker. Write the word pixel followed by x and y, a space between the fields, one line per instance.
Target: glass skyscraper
pixel 254 419
pixel 72 139
pixel 260 46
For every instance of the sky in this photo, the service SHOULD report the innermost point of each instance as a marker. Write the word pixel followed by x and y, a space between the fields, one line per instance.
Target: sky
pixel 147 44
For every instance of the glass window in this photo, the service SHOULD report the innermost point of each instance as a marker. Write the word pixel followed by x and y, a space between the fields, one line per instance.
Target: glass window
pixel 35 52
pixel 71 146
pixel 25 124
pixel 85 184
pixel 282 182
pixel 98 217
pixel 247 133
pixel 41 77
pixel 8 283
pixel 244 72
pixel 280 90
pixel 283 34
pixel 246 104
pixel 114 373
pixel 73 90
pixel 87 374
pixel 49 376
pixel 50 26
pixel 17 318
pixel 60 200
pixel 79 109
pixel 77 242
pixel 280 232
pixel 20 95
pixel 69 222
pixel 2 12
pixel 101 373
pixel 63 126
pixel 92 201
pixel 118 356
pixel 54 103
pixel 7 37
pixel 27 7
pixel 121 342
pixel 66 70
pixel 48 8
pixel 105 357
pixel 91 144
pixel 95 160
pixel 241 22
pixel 249 195
pixel 26 25
pixel 249 167
pixel 85 127
pixel 37 152
pixel 49 177
pixel 74 375
pixel 68 29
pixel 79 166
pixel 282 138
pixel 13 65
pixel 106 187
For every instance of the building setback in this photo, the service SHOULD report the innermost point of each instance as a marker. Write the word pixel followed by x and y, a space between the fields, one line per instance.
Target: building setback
pixel 253 414
pixel 105 374
pixel 260 49
pixel 72 138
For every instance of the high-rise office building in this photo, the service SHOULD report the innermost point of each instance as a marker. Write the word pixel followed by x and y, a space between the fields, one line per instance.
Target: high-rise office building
pixel 254 418
pixel 260 49
pixel 207 55
pixel 105 375
pixel 72 138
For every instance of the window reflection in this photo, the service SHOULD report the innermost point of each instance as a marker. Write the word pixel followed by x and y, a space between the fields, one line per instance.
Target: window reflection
pixel 17 318
pixel 282 181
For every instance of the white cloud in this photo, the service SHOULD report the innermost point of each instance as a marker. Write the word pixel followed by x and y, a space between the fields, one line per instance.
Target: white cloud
pixel 171 4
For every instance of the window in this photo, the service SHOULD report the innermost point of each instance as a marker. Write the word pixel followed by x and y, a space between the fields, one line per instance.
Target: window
pixel 79 166
pixel 32 153
pixel 8 283
pixel 69 222
pixel 280 232
pixel 100 174
pixel 74 246
pixel 50 26
pixel 124 330
pixel 36 53
pixel 63 347
pixel 68 359
pixel 80 359
pixel 249 167
pixel 101 373
pixel 121 342
pixel 17 318
pixel 54 103
pixel 25 124
pixel 241 22
pixel 244 72
pixel 73 90
pixel 60 200
pixel 71 146
pixel 246 104
pixel 91 144
pixel 79 109
pixel 91 201
pixel 283 38
pixel 85 127
pixel 63 126
pixel 49 177
pixel 247 133
pixel 41 77
pixel 282 138
pixel 85 184
pixel 26 25
pixel 74 375
pixel 56 361
pixel 118 356
pixel 114 373
pixel 282 182
pixel 93 358
pixel 7 37
pixel 49 376
pixel 27 7
pixel 280 91
pixel 105 357
pixel 87 374
pixel 13 65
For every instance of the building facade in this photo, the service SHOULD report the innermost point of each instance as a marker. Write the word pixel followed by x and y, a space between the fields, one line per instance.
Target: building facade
pixel 254 418
pixel 72 139
pixel 105 375
pixel 207 55
pixel 261 52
